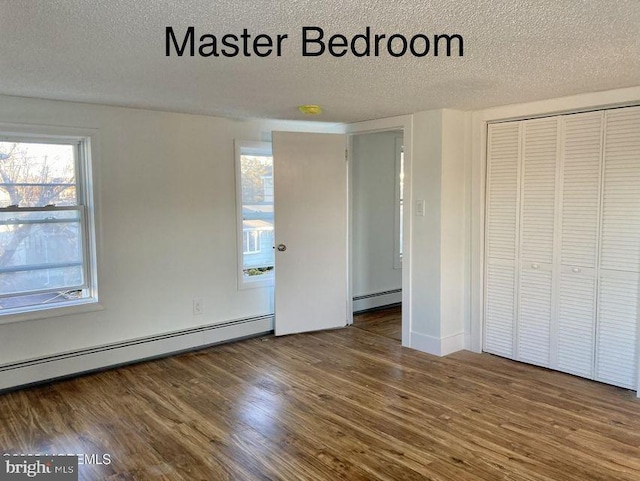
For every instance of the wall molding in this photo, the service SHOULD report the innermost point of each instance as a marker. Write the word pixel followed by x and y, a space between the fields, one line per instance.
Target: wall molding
pixel 452 343
pixel 81 361
pixel 425 343
pixel 438 346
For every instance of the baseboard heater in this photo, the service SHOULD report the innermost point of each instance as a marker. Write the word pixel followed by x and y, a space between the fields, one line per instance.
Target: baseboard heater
pixel 377 294
pixel 82 361
pixel 376 300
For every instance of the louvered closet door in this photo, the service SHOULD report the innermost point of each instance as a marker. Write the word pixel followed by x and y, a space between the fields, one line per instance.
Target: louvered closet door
pixel 538 213
pixel 501 241
pixel 619 289
pixel 579 214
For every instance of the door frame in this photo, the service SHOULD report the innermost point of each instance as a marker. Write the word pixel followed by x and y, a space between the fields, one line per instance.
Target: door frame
pixel 404 123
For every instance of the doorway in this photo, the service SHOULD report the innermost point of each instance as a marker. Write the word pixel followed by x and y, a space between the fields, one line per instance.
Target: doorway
pixel 377 204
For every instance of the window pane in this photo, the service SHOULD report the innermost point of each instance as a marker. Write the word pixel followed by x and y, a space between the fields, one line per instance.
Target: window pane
pixel 257 214
pixel 257 179
pixel 49 299
pixel 40 251
pixel 35 175
pixel 252 238
pixel 30 281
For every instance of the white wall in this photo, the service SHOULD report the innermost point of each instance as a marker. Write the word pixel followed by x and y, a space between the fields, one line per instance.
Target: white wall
pixel 454 234
pixel 373 186
pixel 440 239
pixel 166 225
pixel 425 245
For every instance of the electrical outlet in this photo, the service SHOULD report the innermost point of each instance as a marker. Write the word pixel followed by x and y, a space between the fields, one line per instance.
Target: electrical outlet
pixel 197 307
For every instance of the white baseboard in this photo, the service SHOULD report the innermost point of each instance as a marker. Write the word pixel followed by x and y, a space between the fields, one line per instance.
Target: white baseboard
pixel 85 360
pixel 451 344
pixel 376 299
pixel 424 343
pixel 436 345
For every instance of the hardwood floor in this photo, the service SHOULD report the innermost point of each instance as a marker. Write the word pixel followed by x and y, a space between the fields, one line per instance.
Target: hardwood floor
pixel 343 404
pixel 383 322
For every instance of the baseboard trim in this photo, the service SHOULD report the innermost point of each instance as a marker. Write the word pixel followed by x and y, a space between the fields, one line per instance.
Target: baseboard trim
pixel 81 361
pixel 379 308
pixel 437 346
pixel 425 343
pixel 467 342
pixel 451 344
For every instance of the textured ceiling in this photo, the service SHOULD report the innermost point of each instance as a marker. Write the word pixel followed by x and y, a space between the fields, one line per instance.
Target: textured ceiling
pixel 113 52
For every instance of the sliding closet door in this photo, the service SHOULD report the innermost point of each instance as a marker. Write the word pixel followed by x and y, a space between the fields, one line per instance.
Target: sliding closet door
pixel 619 288
pixel 579 214
pixel 538 213
pixel 501 238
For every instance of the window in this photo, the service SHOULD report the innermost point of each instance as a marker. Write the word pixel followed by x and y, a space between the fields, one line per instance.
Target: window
pixel 254 185
pixel 399 181
pixel 45 240
pixel 251 241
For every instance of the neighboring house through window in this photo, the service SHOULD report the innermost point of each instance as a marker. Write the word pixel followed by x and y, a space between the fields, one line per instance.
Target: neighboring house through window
pixel 251 241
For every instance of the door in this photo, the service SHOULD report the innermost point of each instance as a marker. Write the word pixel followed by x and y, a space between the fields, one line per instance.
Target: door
pixel 310 203
pixel 537 230
pixel 503 194
pixel 579 232
pixel 619 283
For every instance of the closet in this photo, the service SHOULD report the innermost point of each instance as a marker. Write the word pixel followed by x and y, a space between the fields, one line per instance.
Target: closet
pixel 562 246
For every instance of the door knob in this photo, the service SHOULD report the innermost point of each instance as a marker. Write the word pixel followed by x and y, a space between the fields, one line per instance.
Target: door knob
pixel 282 247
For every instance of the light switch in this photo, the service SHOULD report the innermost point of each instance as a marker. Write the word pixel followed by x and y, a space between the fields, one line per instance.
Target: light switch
pixel 420 208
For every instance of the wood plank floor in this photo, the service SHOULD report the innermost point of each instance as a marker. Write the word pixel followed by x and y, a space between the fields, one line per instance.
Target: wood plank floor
pixel 385 322
pixel 343 404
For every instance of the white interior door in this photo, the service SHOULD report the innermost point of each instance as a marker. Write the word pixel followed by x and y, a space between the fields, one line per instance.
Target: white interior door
pixel 310 197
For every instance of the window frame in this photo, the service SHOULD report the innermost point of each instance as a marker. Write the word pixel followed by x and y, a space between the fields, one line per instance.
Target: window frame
pixel 247 147
pixel 247 237
pixel 398 204
pixel 82 141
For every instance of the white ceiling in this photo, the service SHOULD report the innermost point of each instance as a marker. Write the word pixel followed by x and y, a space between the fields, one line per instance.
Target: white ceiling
pixel 112 52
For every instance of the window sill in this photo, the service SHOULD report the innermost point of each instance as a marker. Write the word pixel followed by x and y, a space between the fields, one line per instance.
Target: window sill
pixel 251 284
pixel 44 312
